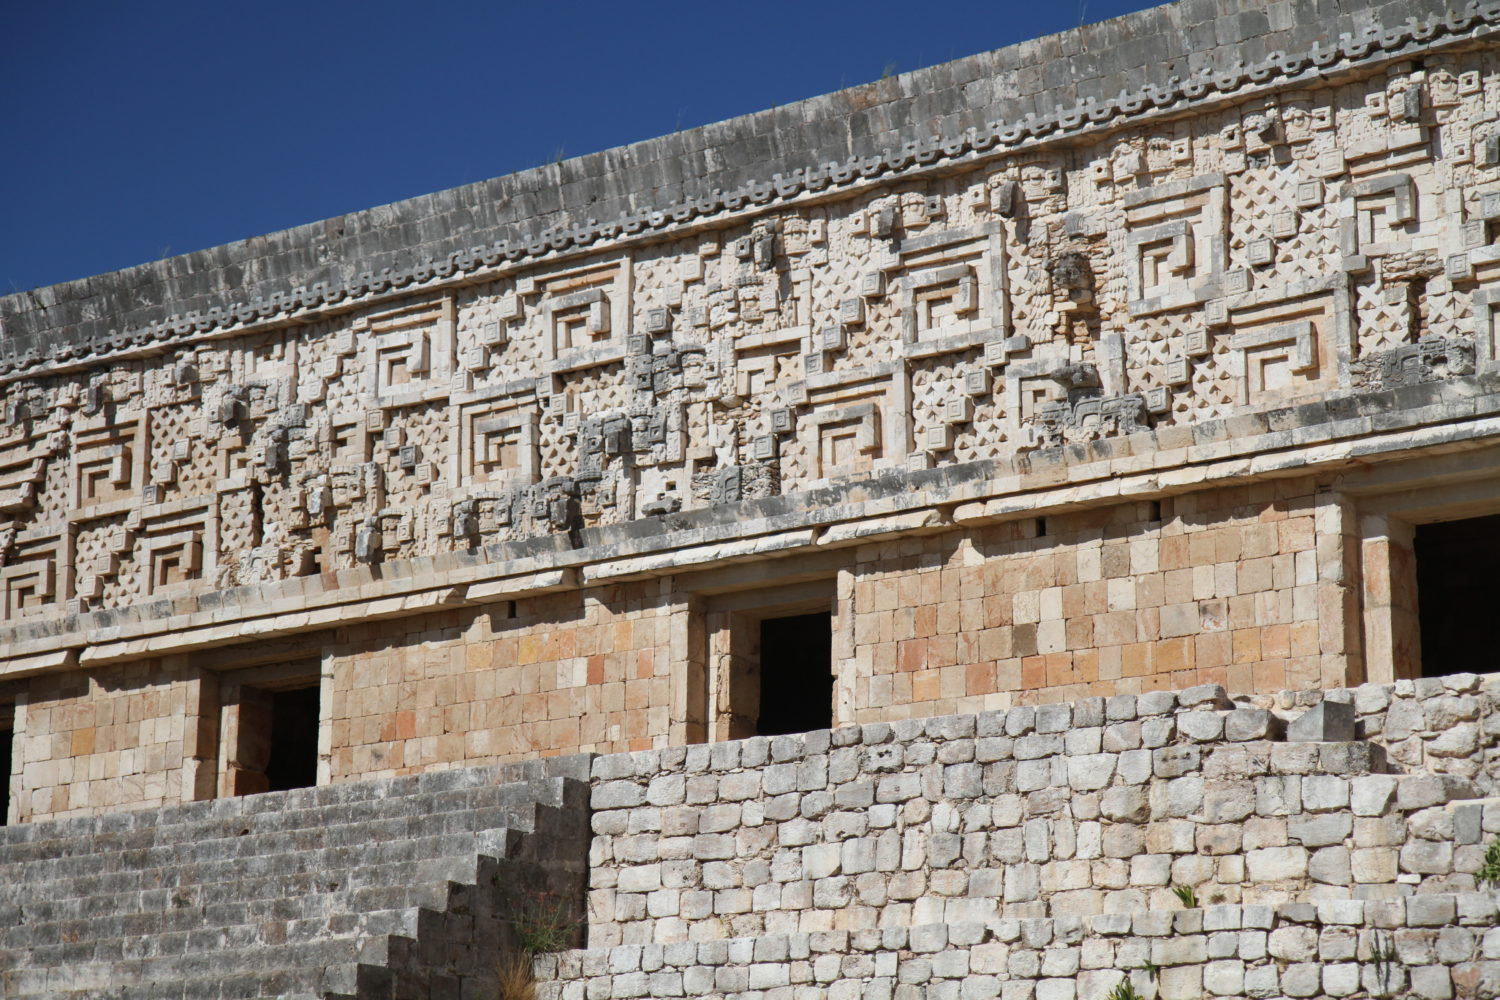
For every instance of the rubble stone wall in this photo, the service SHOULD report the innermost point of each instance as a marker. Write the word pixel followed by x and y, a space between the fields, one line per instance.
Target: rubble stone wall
pixel 1432 947
pixel 1330 841
pixel 1100 806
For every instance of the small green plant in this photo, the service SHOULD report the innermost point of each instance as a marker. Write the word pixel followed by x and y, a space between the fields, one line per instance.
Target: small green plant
pixel 543 924
pixel 1124 990
pixel 1151 969
pixel 1186 896
pixel 1489 872
pixel 1383 959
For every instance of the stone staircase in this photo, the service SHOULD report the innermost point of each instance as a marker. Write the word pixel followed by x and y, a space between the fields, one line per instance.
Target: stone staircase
pixel 404 887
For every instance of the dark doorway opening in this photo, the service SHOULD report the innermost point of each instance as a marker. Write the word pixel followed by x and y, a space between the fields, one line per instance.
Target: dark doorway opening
pixel 7 737
pixel 293 761
pixel 796 674
pixel 1457 595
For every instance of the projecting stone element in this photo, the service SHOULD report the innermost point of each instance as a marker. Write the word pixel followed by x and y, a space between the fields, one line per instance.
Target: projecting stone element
pixel 1207 696
pixel 1244 724
pixel 1326 722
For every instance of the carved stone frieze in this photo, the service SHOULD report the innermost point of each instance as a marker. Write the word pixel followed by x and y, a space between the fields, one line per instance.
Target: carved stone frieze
pixel 1412 364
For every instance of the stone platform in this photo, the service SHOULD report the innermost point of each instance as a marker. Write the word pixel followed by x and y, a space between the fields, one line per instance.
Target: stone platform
pixel 1329 845
pixel 1323 844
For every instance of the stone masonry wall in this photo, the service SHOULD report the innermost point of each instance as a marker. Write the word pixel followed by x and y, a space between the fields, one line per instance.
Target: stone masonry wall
pixel 1102 806
pixel 1331 841
pixel 545 675
pixel 1430 947
pixel 1239 587
pixel 134 736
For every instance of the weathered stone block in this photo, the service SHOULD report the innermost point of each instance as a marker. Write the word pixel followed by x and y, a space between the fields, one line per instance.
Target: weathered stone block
pixel 1326 722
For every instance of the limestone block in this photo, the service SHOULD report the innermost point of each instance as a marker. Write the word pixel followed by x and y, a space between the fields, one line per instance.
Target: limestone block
pixel 1293 944
pixel 1430 910
pixel 1341 979
pixel 1174 761
pixel 1457 741
pixel 1209 696
pixel 1372 795
pixel 1326 722
pixel 1245 724
pixel 1090 772
pixel 1424 857
pixel 1201 726
pixel 1262 981
pixel 1156 703
pixel 1432 823
pixel 1325 793
pixel 617 795
pixel 1150 869
pixel 1224 978
pixel 1125 804
pixel 1331 866
pixel 1275 864
pixel 1227 801
pixel 1352 758
pixel 1373 865
pixel 1431 982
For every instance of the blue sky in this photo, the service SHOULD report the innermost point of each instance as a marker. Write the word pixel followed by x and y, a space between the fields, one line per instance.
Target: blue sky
pixel 134 131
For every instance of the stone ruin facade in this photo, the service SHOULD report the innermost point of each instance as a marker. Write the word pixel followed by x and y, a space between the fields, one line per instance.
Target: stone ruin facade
pixel 1159 355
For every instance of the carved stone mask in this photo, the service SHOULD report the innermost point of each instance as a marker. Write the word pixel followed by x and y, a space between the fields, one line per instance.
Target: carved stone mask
pixel 1071 271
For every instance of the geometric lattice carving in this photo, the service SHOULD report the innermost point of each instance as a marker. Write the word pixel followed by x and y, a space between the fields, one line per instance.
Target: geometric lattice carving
pixel 1175 243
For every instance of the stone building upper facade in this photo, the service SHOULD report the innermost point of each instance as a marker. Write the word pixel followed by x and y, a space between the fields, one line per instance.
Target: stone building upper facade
pixel 966 389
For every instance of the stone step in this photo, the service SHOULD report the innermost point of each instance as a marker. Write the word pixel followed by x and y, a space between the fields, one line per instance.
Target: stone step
pixel 377 889
pixel 244 908
pixel 328 894
pixel 179 862
pixel 66 975
pixel 536 781
pixel 307 873
pixel 337 824
pixel 112 946
pixel 157 979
